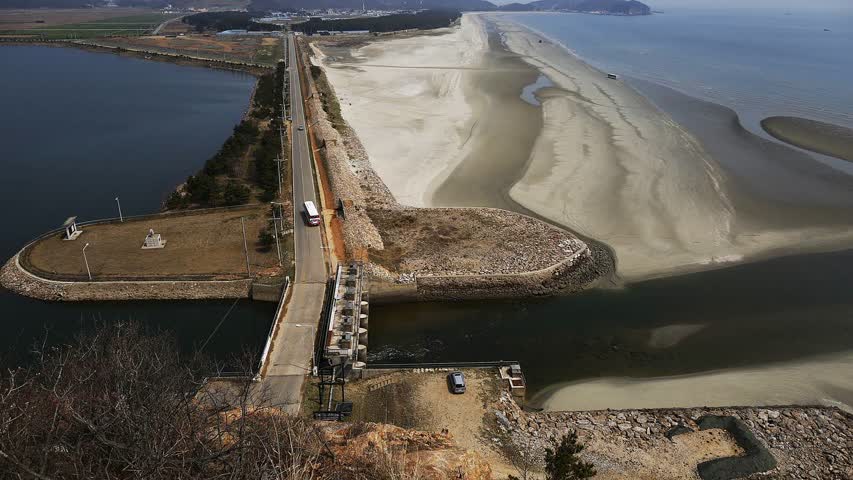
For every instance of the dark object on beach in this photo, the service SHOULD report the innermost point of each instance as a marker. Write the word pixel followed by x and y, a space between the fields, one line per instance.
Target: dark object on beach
pixel 757 458
pixel 677 430
pixel 540 41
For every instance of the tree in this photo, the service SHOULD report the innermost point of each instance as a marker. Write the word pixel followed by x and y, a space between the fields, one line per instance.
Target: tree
pixel 235 193
pixel 564 462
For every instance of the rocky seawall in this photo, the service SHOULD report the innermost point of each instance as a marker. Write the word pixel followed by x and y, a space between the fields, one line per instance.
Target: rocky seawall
pixel 806 442
pixel 13 277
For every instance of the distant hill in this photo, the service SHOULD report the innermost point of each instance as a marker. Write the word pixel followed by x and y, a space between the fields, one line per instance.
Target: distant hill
pixel 614 7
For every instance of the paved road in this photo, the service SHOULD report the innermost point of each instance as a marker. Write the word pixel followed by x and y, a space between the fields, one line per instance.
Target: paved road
pixel 310 265
pixel 160 27
pixel 290 357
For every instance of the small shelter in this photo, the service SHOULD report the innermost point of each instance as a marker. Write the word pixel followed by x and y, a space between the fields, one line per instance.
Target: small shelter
pixel 153 240
pixel 71 230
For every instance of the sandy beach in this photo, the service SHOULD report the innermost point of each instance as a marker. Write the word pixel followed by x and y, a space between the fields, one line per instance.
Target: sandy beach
pixel 404 99
pixel 492 114
pixel 596 157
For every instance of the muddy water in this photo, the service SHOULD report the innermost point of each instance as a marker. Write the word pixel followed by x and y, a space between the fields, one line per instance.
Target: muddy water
pixel 780 314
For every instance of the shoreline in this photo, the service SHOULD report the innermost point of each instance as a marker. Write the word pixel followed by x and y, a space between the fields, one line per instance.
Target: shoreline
pixel 679 217
pixel 709 389
pixel 728 235
pixel 185 60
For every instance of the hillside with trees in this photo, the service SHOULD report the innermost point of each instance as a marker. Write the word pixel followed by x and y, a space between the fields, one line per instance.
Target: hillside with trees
pixel 389 23
pixel 219 21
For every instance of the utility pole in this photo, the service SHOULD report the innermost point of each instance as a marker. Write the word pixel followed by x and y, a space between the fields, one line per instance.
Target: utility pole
pixel 277 245
pixel 120 216
pixel 245 246
pixel 280 215
pixel 86 261
pixel 278 163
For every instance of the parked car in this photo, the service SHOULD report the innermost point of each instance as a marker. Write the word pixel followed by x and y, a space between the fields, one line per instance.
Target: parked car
pixel 456 382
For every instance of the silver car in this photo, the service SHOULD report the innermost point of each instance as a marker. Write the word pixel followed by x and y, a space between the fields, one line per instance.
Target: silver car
pixel 456 382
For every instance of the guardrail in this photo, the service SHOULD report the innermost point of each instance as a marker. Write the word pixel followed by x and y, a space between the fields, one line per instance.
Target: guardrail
pixel 410 366
pixel 281 303
pixel 326 318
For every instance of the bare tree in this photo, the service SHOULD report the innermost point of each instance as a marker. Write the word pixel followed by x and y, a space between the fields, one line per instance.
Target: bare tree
pixel 122 404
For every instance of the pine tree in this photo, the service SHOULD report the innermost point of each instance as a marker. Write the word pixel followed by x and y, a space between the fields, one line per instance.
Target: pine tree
pixel 564 463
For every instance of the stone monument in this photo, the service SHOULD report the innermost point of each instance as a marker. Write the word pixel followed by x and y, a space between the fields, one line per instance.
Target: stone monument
pixel 153 240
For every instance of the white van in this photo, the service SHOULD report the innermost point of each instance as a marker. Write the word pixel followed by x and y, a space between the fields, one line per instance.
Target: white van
pixel 312 216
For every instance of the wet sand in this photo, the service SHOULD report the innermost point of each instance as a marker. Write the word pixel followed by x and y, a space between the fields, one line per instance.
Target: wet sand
pixel 816 381
pixel 613 166
pixel 819 137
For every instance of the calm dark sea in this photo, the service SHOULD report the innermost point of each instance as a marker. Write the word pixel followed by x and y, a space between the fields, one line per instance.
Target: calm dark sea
pixel 760 62
pixel 772 316
pixel 80 128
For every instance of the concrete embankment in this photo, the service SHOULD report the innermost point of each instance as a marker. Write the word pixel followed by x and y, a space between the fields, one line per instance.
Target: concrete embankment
pixel 395 269
pixel 13 277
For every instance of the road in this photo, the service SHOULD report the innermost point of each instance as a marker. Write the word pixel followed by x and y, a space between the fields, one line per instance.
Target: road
pixel 293 344
pixel 160 27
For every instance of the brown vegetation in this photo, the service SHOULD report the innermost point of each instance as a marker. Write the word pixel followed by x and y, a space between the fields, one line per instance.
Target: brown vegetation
pixel 208 243
pixel 232 48
pixel 122 404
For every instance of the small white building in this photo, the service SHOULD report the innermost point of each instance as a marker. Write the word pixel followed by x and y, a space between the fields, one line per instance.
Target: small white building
pixel 71 230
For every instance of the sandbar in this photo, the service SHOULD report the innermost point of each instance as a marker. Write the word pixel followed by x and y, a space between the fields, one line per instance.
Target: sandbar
pixel 819 137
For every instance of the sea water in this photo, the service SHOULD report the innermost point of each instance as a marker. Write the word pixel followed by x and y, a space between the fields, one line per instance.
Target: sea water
pixel 759 62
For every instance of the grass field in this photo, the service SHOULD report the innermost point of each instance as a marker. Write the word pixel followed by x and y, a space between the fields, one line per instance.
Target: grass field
pixel 233 48
pixel 140 22
pixel 199 244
